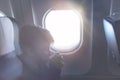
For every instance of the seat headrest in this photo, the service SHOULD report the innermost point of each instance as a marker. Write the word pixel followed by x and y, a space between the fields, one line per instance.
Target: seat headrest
pixel 2 14
pixel 6 36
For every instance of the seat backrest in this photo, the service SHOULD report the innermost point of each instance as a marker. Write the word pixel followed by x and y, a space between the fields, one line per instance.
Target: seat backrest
pixel 16 35
pixel 6 36
pixel 10 65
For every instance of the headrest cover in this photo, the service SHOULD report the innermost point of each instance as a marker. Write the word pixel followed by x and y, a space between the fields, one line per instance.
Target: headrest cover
pixel 6 36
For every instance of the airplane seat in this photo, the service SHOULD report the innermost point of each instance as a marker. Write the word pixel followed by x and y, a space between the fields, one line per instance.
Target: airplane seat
pixel 10 65
pixel 16 35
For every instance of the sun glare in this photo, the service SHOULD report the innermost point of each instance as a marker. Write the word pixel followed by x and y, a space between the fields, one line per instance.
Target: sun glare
pixel 65 27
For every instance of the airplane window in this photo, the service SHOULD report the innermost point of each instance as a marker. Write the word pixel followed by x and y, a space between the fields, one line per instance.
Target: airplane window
pixel 66 27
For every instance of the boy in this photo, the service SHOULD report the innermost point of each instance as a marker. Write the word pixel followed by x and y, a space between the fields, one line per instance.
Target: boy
pixel 35 44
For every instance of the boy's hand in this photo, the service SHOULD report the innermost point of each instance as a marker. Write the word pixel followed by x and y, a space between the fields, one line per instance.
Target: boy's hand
pixel 56 60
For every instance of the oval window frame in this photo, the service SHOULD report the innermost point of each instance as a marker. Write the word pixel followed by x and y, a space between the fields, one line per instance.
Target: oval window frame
pixel 78 46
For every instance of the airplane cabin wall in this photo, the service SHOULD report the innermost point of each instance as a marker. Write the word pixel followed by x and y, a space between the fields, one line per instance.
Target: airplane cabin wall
pixel 23 11
pixel 80 62
pixel 5 7
pixel 32 12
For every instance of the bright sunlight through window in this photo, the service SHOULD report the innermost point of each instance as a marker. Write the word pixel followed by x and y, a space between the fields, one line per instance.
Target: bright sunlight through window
pixel 66 28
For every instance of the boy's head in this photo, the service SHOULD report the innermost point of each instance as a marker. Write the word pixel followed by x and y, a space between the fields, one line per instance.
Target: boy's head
pixel 35 38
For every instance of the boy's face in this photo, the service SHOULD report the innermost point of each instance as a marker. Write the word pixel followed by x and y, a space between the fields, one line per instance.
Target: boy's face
pixel 41 48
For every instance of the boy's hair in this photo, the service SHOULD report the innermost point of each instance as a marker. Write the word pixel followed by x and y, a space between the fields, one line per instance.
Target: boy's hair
pixel 31 34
